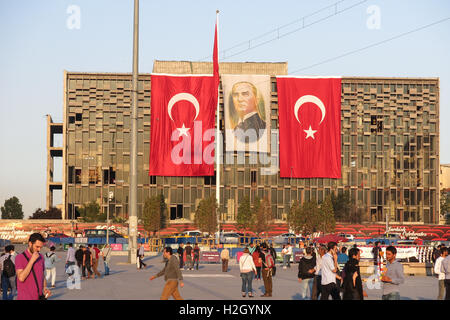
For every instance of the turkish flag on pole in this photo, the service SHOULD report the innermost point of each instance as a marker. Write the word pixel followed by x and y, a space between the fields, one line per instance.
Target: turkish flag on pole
pixel 182 125
pixel 310 127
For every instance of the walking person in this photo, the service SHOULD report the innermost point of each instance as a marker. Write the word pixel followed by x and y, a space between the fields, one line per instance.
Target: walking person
pixel 79 254
pixel 248 270
pixel 225 257
pixel 31 283
pixel 267 265
pixel 256 255
pixel 50 266
pixel 172 276
pixel 251 248
pixel 180 252
pixel 196 255
pixel 140 254
pixel 342 258
pixel 352 283
pixel 440 275
pixel 329 273
pixel 8 272
pixel 283 255
pixel 376 253
pixel 306 270
pixel 288 254
pixel 445 268
pixel 95 256
pixel 106 254
pixel 317 282
pixel 70 257
pixel 188 253
pixel 87 263
pixel 393 277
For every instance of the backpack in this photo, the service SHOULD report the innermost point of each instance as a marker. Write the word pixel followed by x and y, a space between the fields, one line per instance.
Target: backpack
pixel 9 270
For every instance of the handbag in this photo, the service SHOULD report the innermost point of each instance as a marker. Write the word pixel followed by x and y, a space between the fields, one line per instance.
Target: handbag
pixel 41 296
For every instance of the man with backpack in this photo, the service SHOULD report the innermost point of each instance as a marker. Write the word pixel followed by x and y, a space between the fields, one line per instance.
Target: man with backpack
pixel 267 266
pixel 50 265
pixel 7 265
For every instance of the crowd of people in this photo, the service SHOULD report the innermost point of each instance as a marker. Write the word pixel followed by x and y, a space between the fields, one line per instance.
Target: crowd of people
pixel 29 275
pixel 324 271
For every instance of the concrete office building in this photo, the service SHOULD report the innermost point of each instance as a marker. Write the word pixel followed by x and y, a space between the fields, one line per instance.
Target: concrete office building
pixel 390 149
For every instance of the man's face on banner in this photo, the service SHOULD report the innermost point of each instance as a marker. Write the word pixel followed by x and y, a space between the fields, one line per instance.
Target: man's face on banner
pixel 244 99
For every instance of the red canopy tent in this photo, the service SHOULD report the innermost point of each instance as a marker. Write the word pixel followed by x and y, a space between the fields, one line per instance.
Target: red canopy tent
pixel 330 238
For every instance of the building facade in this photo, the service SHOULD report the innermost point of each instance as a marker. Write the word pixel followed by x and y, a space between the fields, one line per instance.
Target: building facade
pixel 390 149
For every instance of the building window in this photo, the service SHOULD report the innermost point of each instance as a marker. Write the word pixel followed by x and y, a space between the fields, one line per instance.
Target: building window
pixel 77 176
pixel 253 178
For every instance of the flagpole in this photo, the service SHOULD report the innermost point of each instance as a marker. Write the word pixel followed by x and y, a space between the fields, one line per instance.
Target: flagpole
pixel 218 140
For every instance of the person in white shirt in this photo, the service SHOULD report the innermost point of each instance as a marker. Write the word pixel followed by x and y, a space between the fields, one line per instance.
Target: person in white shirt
pixel 283 254
pixel 317 288
pixel 445 268
pixel 329 270
pixel 288 255
pixel 441 275
pixel 248 269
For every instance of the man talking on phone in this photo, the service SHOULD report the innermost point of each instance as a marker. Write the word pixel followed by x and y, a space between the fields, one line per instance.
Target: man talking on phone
pixel 31 284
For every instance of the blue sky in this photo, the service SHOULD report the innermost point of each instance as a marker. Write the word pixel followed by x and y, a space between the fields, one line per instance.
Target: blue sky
pixel 36 46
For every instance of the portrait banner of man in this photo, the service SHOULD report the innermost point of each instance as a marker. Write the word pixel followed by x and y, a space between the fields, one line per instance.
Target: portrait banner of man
pixel 247 112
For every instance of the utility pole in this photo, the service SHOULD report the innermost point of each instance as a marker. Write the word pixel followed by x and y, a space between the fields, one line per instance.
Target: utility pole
pixel 132 217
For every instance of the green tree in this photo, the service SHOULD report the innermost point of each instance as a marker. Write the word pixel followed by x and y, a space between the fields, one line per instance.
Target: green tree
pixel 310 217
pixel 445 203
pixel 342 205
pixel 90 212
pixel 206 215
pixel 12 209
pixel 304 218
pixel 52 213
pixel 245 217
pixel 154 214
pixel 326 219
pixel 294 217
pixel 262 215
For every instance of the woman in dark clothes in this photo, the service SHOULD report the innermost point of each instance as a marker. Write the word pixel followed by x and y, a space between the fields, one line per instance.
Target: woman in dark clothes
pixel 352 283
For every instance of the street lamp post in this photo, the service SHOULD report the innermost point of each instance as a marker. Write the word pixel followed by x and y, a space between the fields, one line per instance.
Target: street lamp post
pixel 110 197
pixel 132 218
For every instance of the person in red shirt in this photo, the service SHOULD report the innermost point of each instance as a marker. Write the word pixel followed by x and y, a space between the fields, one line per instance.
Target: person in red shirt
pixel 257 260
pixel 31 284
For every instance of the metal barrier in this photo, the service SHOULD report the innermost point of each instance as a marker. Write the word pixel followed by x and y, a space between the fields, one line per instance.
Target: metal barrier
pixel 156 244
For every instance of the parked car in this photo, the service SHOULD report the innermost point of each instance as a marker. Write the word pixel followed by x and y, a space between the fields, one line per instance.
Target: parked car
pixel 284 238
pixel 347 236
pixel 229 237
pixel 100 233
pixel 193 233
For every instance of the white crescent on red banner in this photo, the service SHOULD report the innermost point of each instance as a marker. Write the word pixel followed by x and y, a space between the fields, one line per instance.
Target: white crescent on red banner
pixel 310 127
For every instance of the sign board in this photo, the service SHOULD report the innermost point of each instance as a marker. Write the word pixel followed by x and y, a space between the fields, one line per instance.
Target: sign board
pixel 402 252
pixel 116 247
pixel 210 256
pixel 81 240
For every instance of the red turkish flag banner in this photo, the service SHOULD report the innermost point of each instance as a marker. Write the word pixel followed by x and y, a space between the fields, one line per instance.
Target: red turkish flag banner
pixel 182 125
pixel 310 127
